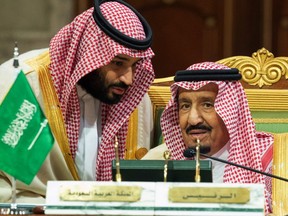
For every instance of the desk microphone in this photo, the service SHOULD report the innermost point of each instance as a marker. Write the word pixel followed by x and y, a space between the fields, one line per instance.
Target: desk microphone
pixel 190 152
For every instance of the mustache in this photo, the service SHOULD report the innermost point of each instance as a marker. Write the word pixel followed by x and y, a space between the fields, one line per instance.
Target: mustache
pixel 119 85
pixel 200 127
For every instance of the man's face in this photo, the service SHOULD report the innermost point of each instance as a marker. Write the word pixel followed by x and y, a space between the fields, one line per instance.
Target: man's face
pixel 110 82
pixel 199 120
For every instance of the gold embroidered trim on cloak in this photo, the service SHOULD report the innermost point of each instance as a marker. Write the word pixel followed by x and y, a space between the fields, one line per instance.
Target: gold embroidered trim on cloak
pixel 52 109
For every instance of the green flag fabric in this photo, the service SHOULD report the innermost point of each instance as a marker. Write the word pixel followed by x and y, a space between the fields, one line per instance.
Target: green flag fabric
pixel 25 136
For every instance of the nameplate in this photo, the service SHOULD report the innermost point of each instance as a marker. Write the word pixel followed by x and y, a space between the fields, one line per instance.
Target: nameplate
pixel 209 195
pixel 100 193
pixel 153 198
pixel 203 199
pixel 100 198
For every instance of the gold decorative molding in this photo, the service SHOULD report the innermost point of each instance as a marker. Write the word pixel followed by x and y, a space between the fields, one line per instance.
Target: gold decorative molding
pixel 163 80
pixel 260 69
pixel 271 120
pixel 258 99
pixel 267 99
pixel 280 166
pixel 159 96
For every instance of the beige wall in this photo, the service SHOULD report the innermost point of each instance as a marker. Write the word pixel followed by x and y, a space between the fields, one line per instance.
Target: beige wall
pixel 31 23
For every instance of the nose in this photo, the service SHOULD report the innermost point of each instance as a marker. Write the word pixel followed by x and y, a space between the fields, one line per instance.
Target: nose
pixel 195 116
pixel 127 77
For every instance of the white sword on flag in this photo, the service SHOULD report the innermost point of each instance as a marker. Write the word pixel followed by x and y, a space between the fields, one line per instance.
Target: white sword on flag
pixel 43 125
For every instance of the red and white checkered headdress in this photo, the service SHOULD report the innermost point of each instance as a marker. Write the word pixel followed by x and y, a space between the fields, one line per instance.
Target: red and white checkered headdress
pixel 81 47
pixel 247 146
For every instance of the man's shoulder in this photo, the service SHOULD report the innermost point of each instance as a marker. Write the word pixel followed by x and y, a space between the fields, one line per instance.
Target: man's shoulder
pixel 24 60
pixel 28 64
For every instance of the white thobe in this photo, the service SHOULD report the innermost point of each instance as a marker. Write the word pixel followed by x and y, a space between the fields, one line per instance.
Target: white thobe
pixel 89 136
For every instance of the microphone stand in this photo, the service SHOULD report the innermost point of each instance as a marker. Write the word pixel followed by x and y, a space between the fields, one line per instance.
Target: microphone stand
pixel 191 153
pixel 197 172
pixel 118 174
pixel 166 156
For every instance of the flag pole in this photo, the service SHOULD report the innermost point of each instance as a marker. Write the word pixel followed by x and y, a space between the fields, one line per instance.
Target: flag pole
pixel 13 209
pixel 13 206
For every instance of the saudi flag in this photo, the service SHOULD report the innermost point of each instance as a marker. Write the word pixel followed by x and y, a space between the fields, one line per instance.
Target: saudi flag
pixel 25 136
